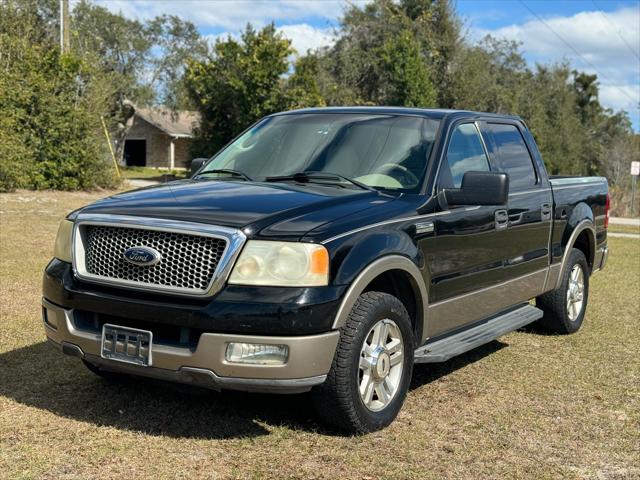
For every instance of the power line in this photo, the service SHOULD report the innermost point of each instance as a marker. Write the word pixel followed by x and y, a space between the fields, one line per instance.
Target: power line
pixel 617 30
pixel 602 75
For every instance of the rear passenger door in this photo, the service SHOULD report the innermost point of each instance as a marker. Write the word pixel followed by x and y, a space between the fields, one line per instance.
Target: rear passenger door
pixel 530 204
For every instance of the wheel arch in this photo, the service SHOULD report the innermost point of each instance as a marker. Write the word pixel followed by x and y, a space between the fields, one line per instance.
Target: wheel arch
pixel 383 274
pixel 582 237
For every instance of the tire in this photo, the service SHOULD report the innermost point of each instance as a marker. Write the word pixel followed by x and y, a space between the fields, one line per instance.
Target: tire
pixel 372 367
pixel 563 312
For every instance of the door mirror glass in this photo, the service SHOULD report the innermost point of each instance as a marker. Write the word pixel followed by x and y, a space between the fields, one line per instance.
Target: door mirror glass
pixel 196 164
pixel 479 188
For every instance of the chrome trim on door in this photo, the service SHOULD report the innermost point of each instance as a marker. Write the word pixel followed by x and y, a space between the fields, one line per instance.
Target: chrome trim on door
pixel 380 224
pixel 390 222
pixel 235 240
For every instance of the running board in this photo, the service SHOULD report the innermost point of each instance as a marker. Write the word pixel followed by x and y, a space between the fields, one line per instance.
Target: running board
pixel 442 350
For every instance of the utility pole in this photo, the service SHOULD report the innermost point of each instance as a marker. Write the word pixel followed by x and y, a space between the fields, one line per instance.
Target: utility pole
pixel 64 26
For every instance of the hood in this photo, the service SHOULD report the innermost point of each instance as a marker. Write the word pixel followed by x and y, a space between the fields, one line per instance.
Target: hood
pixel 260 209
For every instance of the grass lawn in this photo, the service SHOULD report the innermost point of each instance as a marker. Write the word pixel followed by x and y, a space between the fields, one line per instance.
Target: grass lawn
pixel 148 173
pixel 617 228
pixel 526 406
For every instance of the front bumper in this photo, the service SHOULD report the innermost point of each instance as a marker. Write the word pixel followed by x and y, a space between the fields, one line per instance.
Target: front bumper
pixel 277 311
pixel 309 360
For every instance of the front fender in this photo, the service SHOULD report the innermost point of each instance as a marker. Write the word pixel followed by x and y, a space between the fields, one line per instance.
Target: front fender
pixel 354 255
pixel 360 260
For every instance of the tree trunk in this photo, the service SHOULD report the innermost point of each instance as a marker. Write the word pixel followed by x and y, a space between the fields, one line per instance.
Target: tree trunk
pixel 127 111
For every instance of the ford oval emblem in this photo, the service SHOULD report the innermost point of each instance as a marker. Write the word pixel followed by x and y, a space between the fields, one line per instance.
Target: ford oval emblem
pixel 142 256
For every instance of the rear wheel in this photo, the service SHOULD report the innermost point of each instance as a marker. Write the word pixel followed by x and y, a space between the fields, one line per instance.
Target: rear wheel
pixel 372 366
pixel 565 307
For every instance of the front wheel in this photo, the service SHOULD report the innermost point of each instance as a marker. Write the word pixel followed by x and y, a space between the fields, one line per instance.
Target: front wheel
pixel 565 307
pixel 372 366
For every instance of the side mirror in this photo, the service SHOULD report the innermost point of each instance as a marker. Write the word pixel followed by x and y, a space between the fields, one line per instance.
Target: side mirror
pixel 480 188
pixel 196 164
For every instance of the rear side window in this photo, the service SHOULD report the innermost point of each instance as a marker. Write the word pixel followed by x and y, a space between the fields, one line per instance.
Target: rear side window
pixel 513 155
pixel 464 154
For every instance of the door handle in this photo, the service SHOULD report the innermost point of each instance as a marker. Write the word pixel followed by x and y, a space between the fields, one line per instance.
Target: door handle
pixel 545 211
pixel 501 219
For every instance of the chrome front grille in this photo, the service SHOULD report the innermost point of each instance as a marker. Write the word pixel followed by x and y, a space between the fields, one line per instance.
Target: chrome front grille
pixel 188 261
pixel 195 259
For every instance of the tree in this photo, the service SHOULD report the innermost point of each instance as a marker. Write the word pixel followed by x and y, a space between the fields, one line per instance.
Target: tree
pixel 138 63
pixel 302 87
pixel 405 77
pixel 49 127
pixel 177 41
pixel 392 53
pixel 436 23
pixel 240 82
pixel 491 76
pixel 549 110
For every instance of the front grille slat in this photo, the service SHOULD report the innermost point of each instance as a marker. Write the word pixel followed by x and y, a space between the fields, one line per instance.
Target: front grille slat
pixel 187 262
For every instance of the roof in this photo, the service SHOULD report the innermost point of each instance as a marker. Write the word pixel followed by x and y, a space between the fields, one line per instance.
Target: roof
pixel 437 113
pixel 174 123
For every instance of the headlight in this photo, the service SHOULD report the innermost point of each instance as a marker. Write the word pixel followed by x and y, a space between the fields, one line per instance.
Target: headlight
pixel 284 264
pixel 62 249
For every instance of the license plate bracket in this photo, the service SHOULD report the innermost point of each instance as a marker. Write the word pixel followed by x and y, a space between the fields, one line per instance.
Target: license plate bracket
pixel 125 344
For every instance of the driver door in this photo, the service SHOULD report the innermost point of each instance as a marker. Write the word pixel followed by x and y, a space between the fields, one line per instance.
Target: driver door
pixel 465 255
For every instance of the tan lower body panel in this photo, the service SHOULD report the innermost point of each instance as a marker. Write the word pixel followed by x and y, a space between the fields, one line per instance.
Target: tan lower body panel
pixel 309 356
pixel 465 309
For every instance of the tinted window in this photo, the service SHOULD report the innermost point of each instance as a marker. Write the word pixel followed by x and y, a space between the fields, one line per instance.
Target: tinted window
pixel 513 155
pixel 384 151
pixel 464 154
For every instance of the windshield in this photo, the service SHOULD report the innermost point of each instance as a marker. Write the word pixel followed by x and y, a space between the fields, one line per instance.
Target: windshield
pixel 381 151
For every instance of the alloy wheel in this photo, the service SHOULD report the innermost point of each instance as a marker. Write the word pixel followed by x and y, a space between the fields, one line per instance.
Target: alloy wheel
pixel 575 293
pixel 381 364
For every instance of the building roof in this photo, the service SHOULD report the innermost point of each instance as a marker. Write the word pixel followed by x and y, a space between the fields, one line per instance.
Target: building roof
pixel 174 123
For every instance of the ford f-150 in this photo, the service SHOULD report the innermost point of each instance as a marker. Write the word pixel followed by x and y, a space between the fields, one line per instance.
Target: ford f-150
pixel 329 250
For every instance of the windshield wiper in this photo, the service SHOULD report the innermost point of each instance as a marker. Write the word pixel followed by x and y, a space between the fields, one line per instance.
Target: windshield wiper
pixel 321 177
pixel 228 171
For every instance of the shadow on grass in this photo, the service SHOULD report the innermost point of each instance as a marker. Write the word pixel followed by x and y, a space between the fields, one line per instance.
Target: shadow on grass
pixel 40 376
pixel 425 373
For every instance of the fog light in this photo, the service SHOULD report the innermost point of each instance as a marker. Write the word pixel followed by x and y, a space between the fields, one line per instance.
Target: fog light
pixel 257 353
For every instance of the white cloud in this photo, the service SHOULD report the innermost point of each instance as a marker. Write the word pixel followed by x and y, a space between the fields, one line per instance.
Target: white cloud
pixel 230 15
pixel 597 37
pixel 619 97
pixel 305 37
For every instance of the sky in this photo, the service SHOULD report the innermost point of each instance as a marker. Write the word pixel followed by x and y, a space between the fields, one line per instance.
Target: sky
pixel 595 36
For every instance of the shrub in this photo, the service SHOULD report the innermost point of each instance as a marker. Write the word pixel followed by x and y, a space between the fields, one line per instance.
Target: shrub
pixel 50 135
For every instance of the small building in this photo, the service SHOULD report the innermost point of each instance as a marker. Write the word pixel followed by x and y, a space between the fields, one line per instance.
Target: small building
pixel 159 138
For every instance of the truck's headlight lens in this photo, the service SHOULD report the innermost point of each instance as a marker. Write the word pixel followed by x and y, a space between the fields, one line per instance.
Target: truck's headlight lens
pixel 62 249
pixel 287 264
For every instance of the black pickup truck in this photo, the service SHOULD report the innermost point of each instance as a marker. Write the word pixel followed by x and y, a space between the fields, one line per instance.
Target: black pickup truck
pixel 329 250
